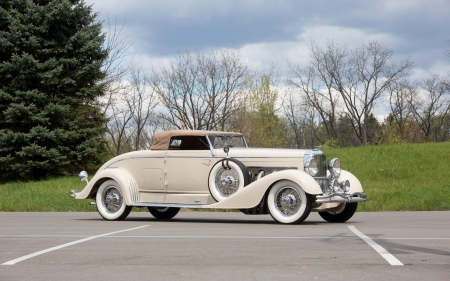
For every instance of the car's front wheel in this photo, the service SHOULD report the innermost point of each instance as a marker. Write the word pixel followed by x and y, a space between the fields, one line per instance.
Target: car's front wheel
pixel 288 203
pixel 110 201
pixel 163 213
pixel 342 213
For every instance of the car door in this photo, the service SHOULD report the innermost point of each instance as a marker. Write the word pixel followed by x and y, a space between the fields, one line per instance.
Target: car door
pixel 187 171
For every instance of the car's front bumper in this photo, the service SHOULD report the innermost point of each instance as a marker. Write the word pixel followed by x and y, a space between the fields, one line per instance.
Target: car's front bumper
pixel 339 197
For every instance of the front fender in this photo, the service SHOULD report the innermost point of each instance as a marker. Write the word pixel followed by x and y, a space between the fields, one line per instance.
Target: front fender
pixel 355 184
pixel 251 195
pixel 121 176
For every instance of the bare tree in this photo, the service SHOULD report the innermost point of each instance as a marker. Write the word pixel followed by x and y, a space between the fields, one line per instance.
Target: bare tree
pixel 132 114
pixel 316 83
pixel 358 78
pixel 302 119
pixel 401 93
pixel 119 129
pixel 369 73
pixel 431 106
pixel 200 91
pixel 141 102
pixel 116 65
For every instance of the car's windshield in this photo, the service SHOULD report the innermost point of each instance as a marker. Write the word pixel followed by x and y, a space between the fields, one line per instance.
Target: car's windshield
pixel 219 141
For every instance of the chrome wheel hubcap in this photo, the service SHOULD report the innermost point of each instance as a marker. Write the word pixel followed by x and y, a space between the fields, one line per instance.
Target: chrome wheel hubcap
pixel 227 182
pixel 112 199
pixel 288 201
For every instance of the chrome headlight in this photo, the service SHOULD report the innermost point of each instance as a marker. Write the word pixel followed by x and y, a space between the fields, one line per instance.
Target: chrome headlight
pixel 335 186
pixel 345 185
pixel 335 167
pixel 311 167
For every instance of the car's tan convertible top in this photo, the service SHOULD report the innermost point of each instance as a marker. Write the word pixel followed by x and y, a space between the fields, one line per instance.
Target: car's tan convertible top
pixel 162 139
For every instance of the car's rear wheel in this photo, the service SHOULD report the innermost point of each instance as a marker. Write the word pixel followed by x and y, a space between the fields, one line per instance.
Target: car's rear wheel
pixel 288 203
pixel 226 177
pixel 163 213
pixel 342 213
pixel 110 201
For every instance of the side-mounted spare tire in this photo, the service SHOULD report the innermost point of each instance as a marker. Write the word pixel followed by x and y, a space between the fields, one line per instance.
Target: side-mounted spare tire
pixel 226 177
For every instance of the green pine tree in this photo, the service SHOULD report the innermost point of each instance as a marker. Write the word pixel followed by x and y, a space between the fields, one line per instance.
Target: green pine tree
pixel 50 65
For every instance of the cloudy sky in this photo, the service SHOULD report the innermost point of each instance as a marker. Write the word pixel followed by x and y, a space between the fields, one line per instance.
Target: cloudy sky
pixel 269 32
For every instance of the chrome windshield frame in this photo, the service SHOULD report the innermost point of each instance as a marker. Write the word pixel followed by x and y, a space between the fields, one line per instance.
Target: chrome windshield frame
pixel 211 147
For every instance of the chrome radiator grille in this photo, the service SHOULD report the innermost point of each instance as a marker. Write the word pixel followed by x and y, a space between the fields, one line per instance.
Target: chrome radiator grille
pixel 321 160
pixel 322 163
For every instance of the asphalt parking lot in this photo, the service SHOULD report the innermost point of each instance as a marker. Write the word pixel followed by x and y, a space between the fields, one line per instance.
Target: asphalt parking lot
pixel 224 246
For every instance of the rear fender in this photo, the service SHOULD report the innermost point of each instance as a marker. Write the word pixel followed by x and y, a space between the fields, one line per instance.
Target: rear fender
pixel 121 176
pixel 251 195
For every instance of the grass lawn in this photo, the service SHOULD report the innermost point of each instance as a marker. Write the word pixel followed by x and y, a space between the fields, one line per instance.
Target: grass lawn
pixel 43 196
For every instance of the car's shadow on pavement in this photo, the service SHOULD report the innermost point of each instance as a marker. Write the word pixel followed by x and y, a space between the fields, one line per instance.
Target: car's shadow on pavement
pixel 259 219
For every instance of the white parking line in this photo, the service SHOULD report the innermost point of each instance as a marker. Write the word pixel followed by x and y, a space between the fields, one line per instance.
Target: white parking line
pixel 12 262
pixel 385 254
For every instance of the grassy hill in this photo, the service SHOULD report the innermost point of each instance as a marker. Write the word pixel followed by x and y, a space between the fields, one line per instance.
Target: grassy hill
pixel 404 177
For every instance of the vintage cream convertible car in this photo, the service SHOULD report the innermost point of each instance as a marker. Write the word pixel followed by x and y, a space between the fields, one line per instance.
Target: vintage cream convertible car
pixel 205 169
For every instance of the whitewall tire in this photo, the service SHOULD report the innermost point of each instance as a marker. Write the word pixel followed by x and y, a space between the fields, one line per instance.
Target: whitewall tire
pixel 288 203
pixel 227 177
pixel 110 201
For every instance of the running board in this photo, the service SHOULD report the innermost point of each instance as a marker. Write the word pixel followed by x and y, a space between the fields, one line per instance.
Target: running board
pixel 165 205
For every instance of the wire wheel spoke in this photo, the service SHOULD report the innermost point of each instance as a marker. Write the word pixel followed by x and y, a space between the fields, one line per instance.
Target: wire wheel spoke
pixel 288 200
pixel 227 182
pixel 112 199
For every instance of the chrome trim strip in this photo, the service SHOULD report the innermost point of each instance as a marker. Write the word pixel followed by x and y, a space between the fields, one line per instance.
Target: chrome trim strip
pixel 258 157
pixel 189 206
pixel 134 193
pixel 128 158
pixel 187 156
pixel 274 167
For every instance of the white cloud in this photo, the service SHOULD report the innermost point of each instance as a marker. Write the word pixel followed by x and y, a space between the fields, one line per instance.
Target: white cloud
pixel 261 55
pixel 351 37
pixel 275 32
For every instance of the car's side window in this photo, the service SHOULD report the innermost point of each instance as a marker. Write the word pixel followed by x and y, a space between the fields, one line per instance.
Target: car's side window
pixel 188 143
